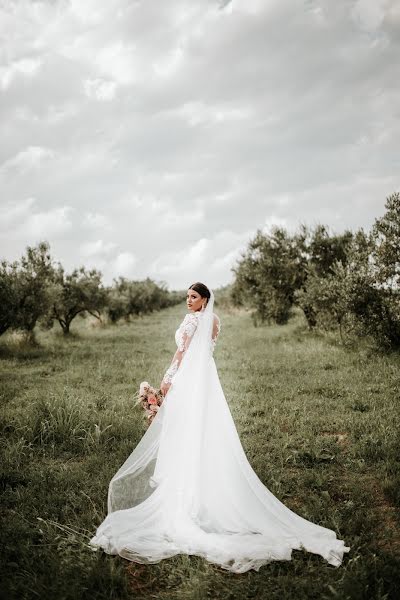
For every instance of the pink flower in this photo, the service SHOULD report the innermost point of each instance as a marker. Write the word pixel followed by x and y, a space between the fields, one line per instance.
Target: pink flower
pixel 151 399
pixel 144 387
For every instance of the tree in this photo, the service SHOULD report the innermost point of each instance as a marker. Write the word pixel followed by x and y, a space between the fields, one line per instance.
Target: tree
pixel 326 250
pixel 127 298
pixel 352 294
pixel 34 287
pixel 325 299
pixel 324 253
pixel 79 292
pixel 376 299
pixel 269 273
pixel 9 295
pixel 386 254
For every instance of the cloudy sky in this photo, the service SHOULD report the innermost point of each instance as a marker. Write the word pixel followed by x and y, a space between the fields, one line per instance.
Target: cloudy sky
pixel 153 138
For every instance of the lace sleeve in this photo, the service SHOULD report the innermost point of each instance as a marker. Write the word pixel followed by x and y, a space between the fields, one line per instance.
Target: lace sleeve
pixel 185 335
pixel 215 332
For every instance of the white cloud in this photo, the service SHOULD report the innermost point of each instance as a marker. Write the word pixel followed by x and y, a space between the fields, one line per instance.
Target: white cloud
pixel 48 224
pixel 25 221
pixel 369 14
pixel 88 12
pixel 100 89
pixel 116 60
pixel 12 214
pixel 208 259
pixel 191 257
pixel 97 248
pixel 273 221
pixel 96 221
pixel 25 67
pixel 197 113
pixel 124 265
pixel 168 65
pixel 29 158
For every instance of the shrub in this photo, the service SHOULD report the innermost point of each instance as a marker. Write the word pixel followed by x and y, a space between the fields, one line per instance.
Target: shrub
pixel 269 273
pixel 77 293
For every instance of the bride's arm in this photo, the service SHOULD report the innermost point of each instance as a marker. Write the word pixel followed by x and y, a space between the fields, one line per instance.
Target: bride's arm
pixel 189 327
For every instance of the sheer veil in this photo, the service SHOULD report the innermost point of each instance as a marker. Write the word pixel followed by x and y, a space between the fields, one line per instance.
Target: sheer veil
pixel 137 477
pixel 188 487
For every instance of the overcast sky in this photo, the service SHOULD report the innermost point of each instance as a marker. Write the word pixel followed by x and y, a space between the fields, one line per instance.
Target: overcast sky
pixel 153 138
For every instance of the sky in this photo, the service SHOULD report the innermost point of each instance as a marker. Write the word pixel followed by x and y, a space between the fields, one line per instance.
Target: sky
pixel 153 139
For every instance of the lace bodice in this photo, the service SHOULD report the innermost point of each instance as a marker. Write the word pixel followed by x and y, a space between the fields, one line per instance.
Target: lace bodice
pixel 183 337
pixel 188 326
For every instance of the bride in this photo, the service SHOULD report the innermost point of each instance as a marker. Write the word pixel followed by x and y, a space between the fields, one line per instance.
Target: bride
pixel 187 487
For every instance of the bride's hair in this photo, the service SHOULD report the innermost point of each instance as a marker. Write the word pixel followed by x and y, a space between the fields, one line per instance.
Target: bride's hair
pixel 201 289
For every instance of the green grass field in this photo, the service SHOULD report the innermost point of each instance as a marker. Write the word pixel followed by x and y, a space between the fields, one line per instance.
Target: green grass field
pixel 319 424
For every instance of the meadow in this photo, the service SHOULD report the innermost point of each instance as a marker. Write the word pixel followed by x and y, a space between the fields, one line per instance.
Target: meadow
pixel 318 421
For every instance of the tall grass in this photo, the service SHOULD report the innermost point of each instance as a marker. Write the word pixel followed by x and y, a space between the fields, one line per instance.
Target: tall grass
pixel 317 421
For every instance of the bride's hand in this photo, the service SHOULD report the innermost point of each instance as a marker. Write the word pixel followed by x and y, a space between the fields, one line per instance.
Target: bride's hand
pixel 164 387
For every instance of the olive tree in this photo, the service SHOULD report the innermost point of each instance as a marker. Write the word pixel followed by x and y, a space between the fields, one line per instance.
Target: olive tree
pixel 78 292
pixel 9 295
pixel 268 274
pixel 35 287
pixel 127 298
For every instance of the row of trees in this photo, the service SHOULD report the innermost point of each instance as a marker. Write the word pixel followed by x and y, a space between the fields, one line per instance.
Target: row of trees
pixel 37 290
pixel 349 281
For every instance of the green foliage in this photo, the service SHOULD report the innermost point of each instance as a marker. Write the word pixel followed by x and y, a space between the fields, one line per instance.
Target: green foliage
pixel 386 253
pixel 377 313
pixel 378 306
pixel 352 296
pixel 269 273
pixel 277 266
pixel 29 285
pixel 223 297
pixel 127 298
pixel 326 250
pixel 79 292
pixel 34 290
pixel 349 282
pixel 325 298
pixel 9 295
pixel 36 277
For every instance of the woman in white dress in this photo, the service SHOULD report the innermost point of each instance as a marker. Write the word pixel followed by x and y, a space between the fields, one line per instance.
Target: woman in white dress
pixel 187 487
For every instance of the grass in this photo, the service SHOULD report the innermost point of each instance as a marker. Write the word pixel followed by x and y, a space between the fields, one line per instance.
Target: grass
pixel 318 423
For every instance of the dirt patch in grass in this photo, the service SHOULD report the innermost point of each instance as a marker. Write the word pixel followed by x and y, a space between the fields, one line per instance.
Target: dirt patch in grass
pixel 341 437
pixel 388 536
pixel 140 578
pixel 386 532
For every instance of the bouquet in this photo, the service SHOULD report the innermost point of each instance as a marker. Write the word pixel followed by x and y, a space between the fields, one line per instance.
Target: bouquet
pixel 150 399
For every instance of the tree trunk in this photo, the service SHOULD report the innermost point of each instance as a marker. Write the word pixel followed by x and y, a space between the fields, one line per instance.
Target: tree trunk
pixel 97 315
pixel 310 316
pixel 3 328
pixel 340 329
pixel 29 337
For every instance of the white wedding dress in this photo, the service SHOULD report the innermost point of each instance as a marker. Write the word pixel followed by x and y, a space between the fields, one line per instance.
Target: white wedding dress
pixel 188 488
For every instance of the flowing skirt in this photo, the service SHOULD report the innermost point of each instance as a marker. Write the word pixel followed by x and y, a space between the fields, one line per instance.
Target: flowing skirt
pixel 188 488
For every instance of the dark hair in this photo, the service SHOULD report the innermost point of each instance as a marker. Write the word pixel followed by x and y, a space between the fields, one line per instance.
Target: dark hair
pixel 201 289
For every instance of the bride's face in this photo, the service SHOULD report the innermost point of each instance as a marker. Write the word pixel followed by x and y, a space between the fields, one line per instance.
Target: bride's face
pixel 194 301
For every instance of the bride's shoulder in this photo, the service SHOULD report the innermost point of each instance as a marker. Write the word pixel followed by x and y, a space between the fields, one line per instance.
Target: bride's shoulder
pixel 191 316
pixel 190 321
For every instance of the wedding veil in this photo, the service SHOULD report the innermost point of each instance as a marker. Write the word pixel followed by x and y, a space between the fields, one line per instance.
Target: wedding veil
pixel 139 475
